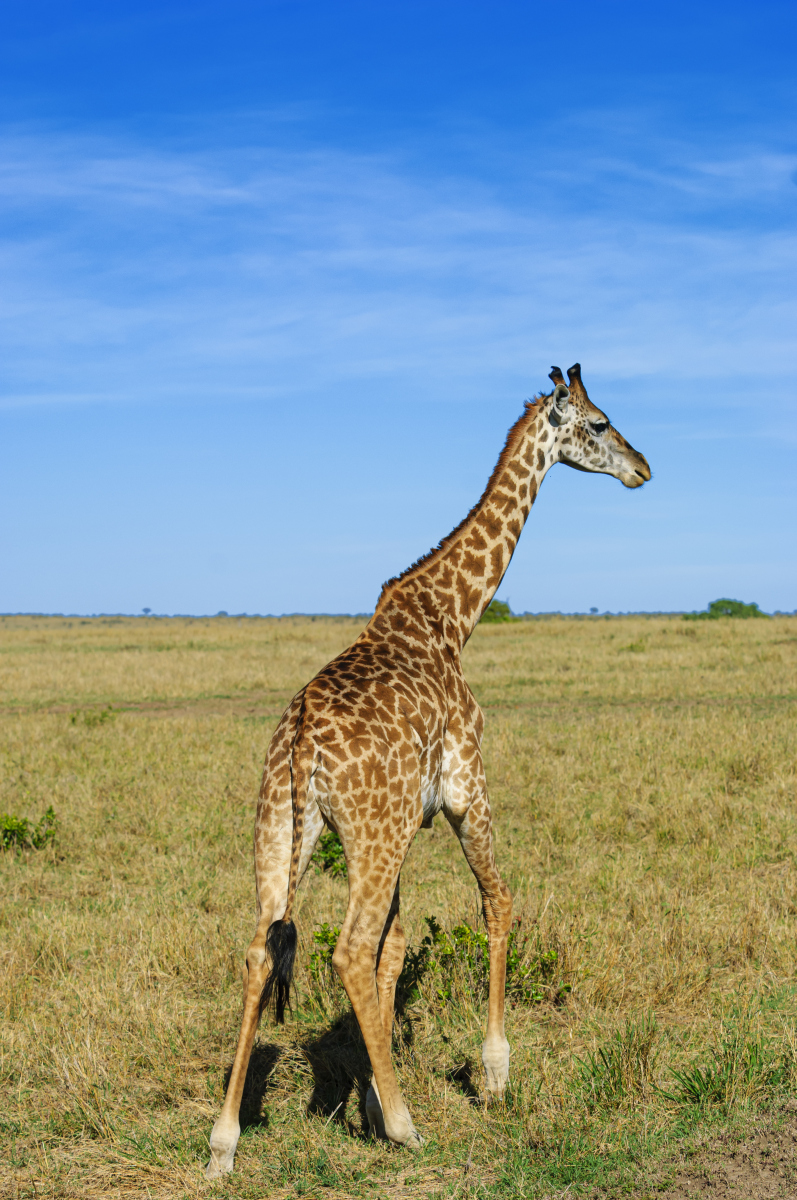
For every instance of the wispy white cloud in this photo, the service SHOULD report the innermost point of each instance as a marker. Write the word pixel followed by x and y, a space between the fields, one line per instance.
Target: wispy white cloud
pixel 133 271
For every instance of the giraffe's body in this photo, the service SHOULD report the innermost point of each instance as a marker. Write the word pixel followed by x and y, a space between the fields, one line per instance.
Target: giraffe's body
pixel 389 734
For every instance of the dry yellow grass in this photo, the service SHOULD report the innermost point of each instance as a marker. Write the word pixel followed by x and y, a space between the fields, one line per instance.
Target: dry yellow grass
pixel 644 780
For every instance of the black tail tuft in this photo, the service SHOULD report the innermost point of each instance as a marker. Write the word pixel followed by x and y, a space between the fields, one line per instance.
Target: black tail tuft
pixel 281 945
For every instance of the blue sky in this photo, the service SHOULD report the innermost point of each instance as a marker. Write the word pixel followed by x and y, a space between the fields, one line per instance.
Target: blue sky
pixel 275 279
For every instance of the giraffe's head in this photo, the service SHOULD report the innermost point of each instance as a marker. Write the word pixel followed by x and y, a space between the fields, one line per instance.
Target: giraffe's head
pixel 585 437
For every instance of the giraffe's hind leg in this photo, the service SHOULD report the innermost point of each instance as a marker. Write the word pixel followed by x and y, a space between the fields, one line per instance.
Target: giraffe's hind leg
pixel 371 898
pixel 390 962
pixel 226 1131
pixel 272 865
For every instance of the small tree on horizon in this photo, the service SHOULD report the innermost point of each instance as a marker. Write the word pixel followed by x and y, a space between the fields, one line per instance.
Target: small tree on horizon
pixel 726 608
pixel 496 612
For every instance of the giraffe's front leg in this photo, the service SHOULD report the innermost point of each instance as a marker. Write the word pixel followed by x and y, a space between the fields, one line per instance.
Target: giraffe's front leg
pixel 474 830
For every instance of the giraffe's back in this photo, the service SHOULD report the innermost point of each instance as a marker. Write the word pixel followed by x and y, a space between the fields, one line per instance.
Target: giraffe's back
pixel 376 717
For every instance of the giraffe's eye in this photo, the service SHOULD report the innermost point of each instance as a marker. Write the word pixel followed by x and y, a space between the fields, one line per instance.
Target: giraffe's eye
pixel 600 426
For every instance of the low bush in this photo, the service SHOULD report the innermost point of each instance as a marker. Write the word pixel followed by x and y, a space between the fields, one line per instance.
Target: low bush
pixel 19 833
pixel 459 960
pixel 329 855
pixel 454 962
pixel 92 717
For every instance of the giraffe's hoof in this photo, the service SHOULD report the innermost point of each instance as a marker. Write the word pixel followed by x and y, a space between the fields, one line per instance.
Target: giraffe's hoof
pixel 397 1128
pixel 223 1142
pixel 217 1169
pixel 403 1133
pixel 495 1056
pixel 409 1139
pixel 414 1142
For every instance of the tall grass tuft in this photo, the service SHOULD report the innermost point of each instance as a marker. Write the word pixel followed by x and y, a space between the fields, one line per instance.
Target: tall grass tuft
pixel 624 1067
pixel 742 1066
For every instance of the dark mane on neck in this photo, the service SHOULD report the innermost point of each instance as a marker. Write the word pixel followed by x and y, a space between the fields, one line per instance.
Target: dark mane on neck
pixel 530 409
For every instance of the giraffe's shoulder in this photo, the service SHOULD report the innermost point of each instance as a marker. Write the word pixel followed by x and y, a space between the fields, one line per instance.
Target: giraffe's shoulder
pixel 379 679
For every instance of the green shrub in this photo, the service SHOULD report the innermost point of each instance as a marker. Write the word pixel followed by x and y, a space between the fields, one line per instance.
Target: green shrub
pixel 325 940
pixel 20 834
pixel 725 608
pixel 93 717
pixel 329 854
pixel 455 961
pixel 462 956
pixel 496 612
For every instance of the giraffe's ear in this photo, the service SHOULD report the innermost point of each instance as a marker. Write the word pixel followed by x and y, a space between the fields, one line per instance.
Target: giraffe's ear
pixel 560 409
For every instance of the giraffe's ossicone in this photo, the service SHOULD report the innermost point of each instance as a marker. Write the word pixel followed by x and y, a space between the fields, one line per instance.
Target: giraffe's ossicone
pixel 384 738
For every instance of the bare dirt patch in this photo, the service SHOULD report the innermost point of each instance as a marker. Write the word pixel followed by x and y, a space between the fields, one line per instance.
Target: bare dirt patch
pixel 762 1167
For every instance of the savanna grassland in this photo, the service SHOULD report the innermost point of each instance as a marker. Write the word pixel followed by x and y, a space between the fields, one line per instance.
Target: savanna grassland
pixel 644 781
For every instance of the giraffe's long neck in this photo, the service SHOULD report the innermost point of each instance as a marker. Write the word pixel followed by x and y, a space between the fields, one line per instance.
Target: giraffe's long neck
pixel 453 584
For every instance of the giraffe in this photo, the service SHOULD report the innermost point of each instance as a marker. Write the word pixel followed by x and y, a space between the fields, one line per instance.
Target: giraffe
pixel 383 739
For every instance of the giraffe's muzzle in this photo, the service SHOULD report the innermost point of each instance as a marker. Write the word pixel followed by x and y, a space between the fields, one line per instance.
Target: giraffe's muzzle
pixel 637 471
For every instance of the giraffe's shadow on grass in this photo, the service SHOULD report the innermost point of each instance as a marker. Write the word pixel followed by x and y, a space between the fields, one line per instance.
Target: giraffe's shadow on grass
pixel 462 1076
pixel 339 1062
pixel 261 1067
pixel 340 1065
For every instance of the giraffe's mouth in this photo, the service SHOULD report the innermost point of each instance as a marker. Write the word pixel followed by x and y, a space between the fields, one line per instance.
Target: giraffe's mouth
pixel 633 479
pixel 642 471
pixel 636 472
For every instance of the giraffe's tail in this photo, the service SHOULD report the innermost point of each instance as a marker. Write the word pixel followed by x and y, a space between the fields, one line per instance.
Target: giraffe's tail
pixel 281 947
pixel 281 939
